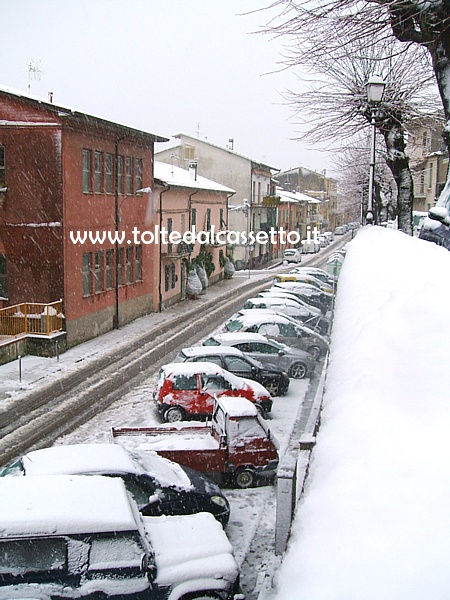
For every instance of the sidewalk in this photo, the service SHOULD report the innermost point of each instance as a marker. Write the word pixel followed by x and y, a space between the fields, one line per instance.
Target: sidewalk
pixel 20 377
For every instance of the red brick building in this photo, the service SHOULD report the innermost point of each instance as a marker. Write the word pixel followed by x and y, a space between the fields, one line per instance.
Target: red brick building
pixel 63 172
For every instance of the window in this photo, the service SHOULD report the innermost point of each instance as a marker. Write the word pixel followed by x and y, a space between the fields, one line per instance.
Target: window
pixel 430 176
pixel 109 269
pixel 189 152
pixel 87 171
pixel 138 264
pixel 185 382
pixel 120 174
pixel 129 264
pixel 208 219
pixel 422 183
pixel 236 364
pixel 109 174
pixel 170 277
pixel 128 175
pixel 116 551
pixel 2 166
pixel 40 555
pixel 213 359
pixel 87 259
pixel 183 223
pixel 3 277
pixel 215 382
pixel 193 217
pixel 222 221
pixel 98 271
pixel 98 172
pixel 138 174
pixel 120 266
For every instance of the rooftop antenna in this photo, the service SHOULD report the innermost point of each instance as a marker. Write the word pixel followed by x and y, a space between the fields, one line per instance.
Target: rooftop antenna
pixel 34 72
pixel 198 130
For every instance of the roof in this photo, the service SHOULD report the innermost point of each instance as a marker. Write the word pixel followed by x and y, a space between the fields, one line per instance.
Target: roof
pixel 178 177
pixel 65 111
pixel 210 350
pixel 295 197
pixel 237 407
pixel 256 162
pixel 64 504
pixel 239 336
pixel 79 459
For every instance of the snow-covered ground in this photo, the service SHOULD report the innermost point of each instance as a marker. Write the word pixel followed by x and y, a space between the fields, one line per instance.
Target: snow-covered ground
pixel 374 521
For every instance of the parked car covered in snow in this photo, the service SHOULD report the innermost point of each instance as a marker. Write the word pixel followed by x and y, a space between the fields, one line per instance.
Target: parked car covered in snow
pixel 285 306
pixel 298 363
pixel 292 255
pixel 157 485
pixel 81 537
pixel 184 390
pixel 233 360
pixel 280 328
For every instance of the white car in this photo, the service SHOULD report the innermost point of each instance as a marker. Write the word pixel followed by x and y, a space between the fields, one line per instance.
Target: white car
pixel 292 255
pixel 79 536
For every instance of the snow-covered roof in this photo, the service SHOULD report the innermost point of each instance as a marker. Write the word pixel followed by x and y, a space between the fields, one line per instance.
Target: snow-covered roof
pixel 64 504
pixel 239 336
pixel 210 350
pixel 178 177
pixel 295 197
pixel 238 407
pixel 62 110
pixel 76 459
pixel 204 141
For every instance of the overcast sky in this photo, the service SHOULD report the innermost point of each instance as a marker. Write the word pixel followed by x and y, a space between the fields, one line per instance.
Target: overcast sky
pixel 164 66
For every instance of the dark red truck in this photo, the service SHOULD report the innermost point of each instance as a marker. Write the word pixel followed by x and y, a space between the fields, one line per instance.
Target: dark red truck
pixel 234 447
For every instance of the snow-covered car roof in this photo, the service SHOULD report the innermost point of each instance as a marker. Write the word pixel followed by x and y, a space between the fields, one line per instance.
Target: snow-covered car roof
pixel 272 299
pixel 240 336
pixel 88 459
pixel 63 505
pixel 236 406
pixel 210 350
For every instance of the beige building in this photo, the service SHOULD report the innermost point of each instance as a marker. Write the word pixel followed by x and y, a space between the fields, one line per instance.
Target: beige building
pixel 252 207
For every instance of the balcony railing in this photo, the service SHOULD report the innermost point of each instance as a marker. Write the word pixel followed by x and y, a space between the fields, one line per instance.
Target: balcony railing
pixel 31 318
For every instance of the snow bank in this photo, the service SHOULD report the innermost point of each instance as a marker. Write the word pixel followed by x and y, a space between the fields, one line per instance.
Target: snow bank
pixel 374 521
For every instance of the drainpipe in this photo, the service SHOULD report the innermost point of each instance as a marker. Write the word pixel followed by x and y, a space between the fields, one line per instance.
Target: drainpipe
pixel 167 188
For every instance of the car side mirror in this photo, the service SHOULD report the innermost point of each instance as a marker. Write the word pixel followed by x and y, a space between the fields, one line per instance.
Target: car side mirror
pixel 281 353
pixel 439 213
pixel 154 499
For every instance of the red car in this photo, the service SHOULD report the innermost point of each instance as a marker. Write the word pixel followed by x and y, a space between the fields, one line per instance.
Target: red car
pixel 187 389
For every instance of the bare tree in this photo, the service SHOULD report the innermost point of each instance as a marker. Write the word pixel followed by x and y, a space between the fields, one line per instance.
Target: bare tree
pixel 329 26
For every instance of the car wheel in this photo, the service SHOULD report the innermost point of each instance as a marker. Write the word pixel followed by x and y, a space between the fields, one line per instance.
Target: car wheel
pixel 298 370
pixel 315 352
pixel 273 388
pixel 174 414
pixel 244 478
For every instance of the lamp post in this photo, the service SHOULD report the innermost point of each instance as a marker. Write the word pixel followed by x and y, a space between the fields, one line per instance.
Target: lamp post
pixel 118 206
pixel 374 90
pixel 246 209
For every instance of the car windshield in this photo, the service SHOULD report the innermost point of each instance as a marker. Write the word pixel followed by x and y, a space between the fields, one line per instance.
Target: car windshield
pixel 234 325
pixel 14 468
pixel 211 342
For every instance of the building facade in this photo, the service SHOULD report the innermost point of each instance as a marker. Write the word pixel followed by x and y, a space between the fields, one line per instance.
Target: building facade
pixel 253 207
pixel 193 210
pixel 70 182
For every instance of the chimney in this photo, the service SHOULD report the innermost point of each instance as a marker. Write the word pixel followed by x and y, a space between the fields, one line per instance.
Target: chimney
pixel 193 169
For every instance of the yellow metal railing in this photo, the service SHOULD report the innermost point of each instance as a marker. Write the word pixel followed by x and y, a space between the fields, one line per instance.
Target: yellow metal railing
pixel 31 317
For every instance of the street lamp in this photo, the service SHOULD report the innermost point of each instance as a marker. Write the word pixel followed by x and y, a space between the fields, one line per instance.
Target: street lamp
pixel 374 90
pixel 118 206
